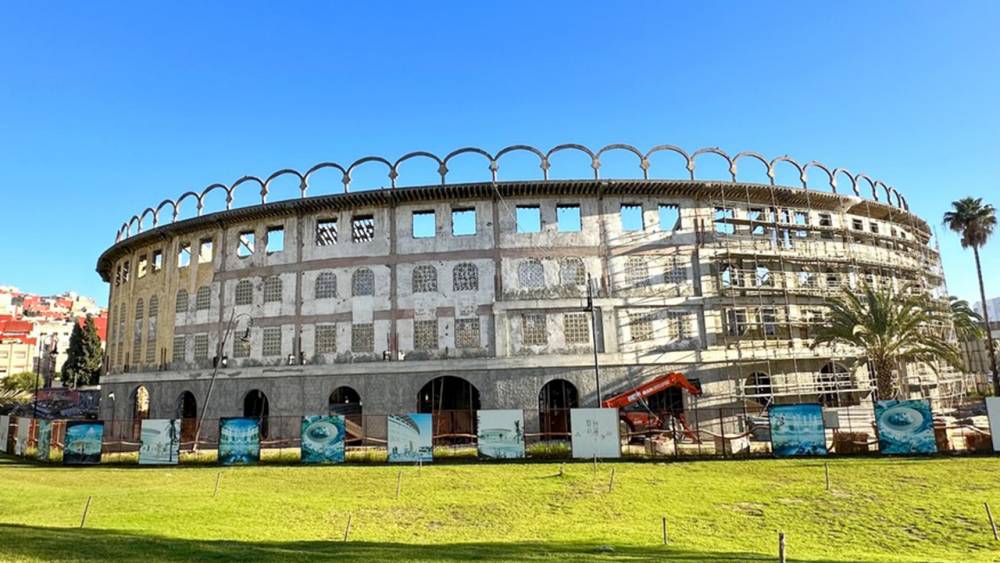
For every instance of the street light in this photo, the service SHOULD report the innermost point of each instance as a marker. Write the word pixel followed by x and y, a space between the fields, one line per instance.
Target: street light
pixel 593 332
pixel 215 372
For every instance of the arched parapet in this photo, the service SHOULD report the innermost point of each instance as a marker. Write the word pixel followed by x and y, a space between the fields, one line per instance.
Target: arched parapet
pixel 688 159
pixel 594 163
pixel 159 208
pixel 245 180
pixel 821 166
pixel 885 190
pixel 134 225
pixel 492 162
pixel 845 173
pixel 756 156
pixel 212 188
pixel 543 161
pixel 151 213
pixel 793 162
pixel 871 183
pixel 180 201
pixel 643 162
pixel 123 233
pixel 442 170
pixel 266 188
pixel 365 160
pixel 902 201
pixel 344 178
pixel 716 151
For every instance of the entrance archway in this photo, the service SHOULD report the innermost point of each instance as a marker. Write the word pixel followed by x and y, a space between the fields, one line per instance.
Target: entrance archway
pixel 140 410
pixel 555 400
pixel 255 406
pixel 346 402
pixel 453 401
pixel 187 412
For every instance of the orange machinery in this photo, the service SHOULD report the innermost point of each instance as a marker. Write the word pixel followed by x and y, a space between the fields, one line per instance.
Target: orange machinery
pixel 634 414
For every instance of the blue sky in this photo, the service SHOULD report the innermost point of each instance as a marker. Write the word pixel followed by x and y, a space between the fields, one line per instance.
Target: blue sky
pixel 108 108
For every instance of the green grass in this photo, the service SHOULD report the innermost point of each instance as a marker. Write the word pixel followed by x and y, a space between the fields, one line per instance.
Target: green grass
pixel 878 510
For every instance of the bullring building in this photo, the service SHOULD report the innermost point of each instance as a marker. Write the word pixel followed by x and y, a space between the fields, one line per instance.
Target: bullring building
pixel 324 295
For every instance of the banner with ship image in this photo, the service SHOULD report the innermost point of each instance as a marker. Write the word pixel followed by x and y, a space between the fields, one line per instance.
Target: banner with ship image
pixel 500 434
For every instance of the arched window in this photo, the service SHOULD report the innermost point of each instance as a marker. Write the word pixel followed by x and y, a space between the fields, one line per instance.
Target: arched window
pixel 181 304
pixel 154 311
pixel 555 399
pixel 203 299
pixel 187 412
pixel 572 273
pixel 272 290
pixel 121 332
pixel 757 388
pixel 425 279
pixel 636 272
pixel 465 277
pixel 244 292
pixel 255 406
pixel 531 274
pixel 137 333
pixel 140 410
pixel 346 402
pixel 326 285
pixel 362 282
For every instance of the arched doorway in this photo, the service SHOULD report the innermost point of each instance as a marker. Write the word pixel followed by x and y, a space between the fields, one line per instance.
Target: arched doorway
pixel 554 401
pixel 346 402
pixel 140 410
pixel 453 401
pixel 187 412
pixel 255 406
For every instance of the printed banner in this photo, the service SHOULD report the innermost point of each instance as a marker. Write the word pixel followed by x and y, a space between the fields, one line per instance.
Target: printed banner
pixel 23 434
pixel 161 442
pixel 322 439
pixel 4 432
pixel 411 438
pixel 239 441
pixel 595 433
pixel 500 434
pixel 44 439
pixel 83 442
pixel 905 427
pixel 797 430
pixel 992 412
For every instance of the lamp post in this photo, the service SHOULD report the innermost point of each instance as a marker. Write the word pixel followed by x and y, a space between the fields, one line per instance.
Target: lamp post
pixel 593 332
pixel 111 396
pixel 218 363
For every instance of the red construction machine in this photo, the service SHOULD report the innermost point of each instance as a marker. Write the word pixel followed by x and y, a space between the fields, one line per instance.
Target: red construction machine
pixel 635 415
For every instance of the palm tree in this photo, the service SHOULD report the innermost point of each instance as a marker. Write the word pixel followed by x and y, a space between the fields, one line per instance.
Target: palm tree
pixel 891 328
pixel 975 222
pixel 967 322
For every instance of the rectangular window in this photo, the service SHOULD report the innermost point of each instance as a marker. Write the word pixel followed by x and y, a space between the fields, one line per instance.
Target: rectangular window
pixel 241 348
pixel 275 239
pixel 326 232
pixel 143 263
pixel 802 219
pixel 670 217
pixel 676 271
pixel 826 222
pixel 529 219
pixel 326 339
pixel 874 227
pixel 631 217
pixel 736 322
pixel 678 325
pixel 425 335
pixel 424 224
pixel 724 220
pixel 467 333
pixel 363 338
pixel 126 269
pixel 769 319
pixel 184 255
pixel 246 245
pixel 463 222
pixel 271 341
pixel 178 353
pixel 568 219
pixel 640 326
pixel 200 346
pixel 205 251
pixel 533 331
pixel 157 260
pixel 362 228
pixel 857 224
pixel 576 328
pixel 758 220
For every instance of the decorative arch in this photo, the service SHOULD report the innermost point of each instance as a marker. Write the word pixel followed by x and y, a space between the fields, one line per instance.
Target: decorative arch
pixel 346 402
pixel 442 169
pixel 453 402
pixel 256 406
pixel 543 161
pixel 266 188
pixel 715 151
pixel 139 403
pixel 365 160
pixel 555 399
pixel 187 411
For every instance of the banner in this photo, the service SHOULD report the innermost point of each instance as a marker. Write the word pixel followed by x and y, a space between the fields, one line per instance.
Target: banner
pixel 23 434
pixel 44 439
pixel 411 438
pixel 993 413
pixel 239 441
pixel 797 430
pixel 83 442
pixel 500 434
pixel 905 427
pixel 161 442
pixel 322 439
pixel 595 433
pixel 4 432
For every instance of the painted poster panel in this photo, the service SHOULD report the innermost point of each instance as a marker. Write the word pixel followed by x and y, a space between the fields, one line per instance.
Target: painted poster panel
pixel 322 439
pixel 23 435
pixel 411 438
pixel 44 438
pixel 595 433
pixel 239 441
pixel 905 427
pixel 500 433
pixel 797 430
pixel 161 442
pixel 83 442
pixel 4 432
pixel 992 411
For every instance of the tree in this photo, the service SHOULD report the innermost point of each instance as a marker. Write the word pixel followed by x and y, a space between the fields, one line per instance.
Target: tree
pixel 968 323
pixel 892 329
pixel 83 361
pixel 24 382
pixel 975 222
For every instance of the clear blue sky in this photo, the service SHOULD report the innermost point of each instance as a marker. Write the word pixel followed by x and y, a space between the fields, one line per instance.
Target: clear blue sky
pixel 108 108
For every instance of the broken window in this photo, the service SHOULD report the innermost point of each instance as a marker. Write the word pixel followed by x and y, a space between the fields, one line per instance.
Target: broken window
pixel 802 219
pixel 362 228
pixel 467 333
pixel 529 219
pixel 275 239
pixel 463 222
pixel 425 279
pixel 465 277
pixel 424 224
pixel 640 326
pixel 141 268
pixel 363 338
pixel 736 322
pixel 631 217
pixel 725 218
pixel 768 319
pixel 362 282
pixel 326 232
pixel 202 299
pixel 184 255
pixel 271 341
pixel 200 346
pixel 425 335
pixel 568 218
pixel 670 217
pixel 205 251
pixel 126 268
pixel 531 274
pixel 326 285
pixel 326 339
pixel 181 304
pixel 758 220
pixel 118 275
pixel 636 272
pixel 244 292
pixel 572 272
pixel 245 247
pixel 826 222
pixel 272 290
pixel 533 332
pixel 576 328
pixel 157 260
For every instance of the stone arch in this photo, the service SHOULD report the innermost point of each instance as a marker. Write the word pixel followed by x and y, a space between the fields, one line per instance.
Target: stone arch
pixel 187 412
pixel 345 401
pixel 555 399
pixel 453 402
pixel 256 406
pixel 139 404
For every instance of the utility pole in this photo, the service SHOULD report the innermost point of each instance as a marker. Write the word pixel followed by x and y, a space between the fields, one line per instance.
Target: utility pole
pixel 593 332
pixel 215 371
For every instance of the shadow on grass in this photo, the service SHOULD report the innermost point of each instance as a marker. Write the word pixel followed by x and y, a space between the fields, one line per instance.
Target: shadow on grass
pixel 61 544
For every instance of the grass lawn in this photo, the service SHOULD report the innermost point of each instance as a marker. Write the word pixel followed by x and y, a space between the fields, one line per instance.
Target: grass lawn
pixel 877 510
